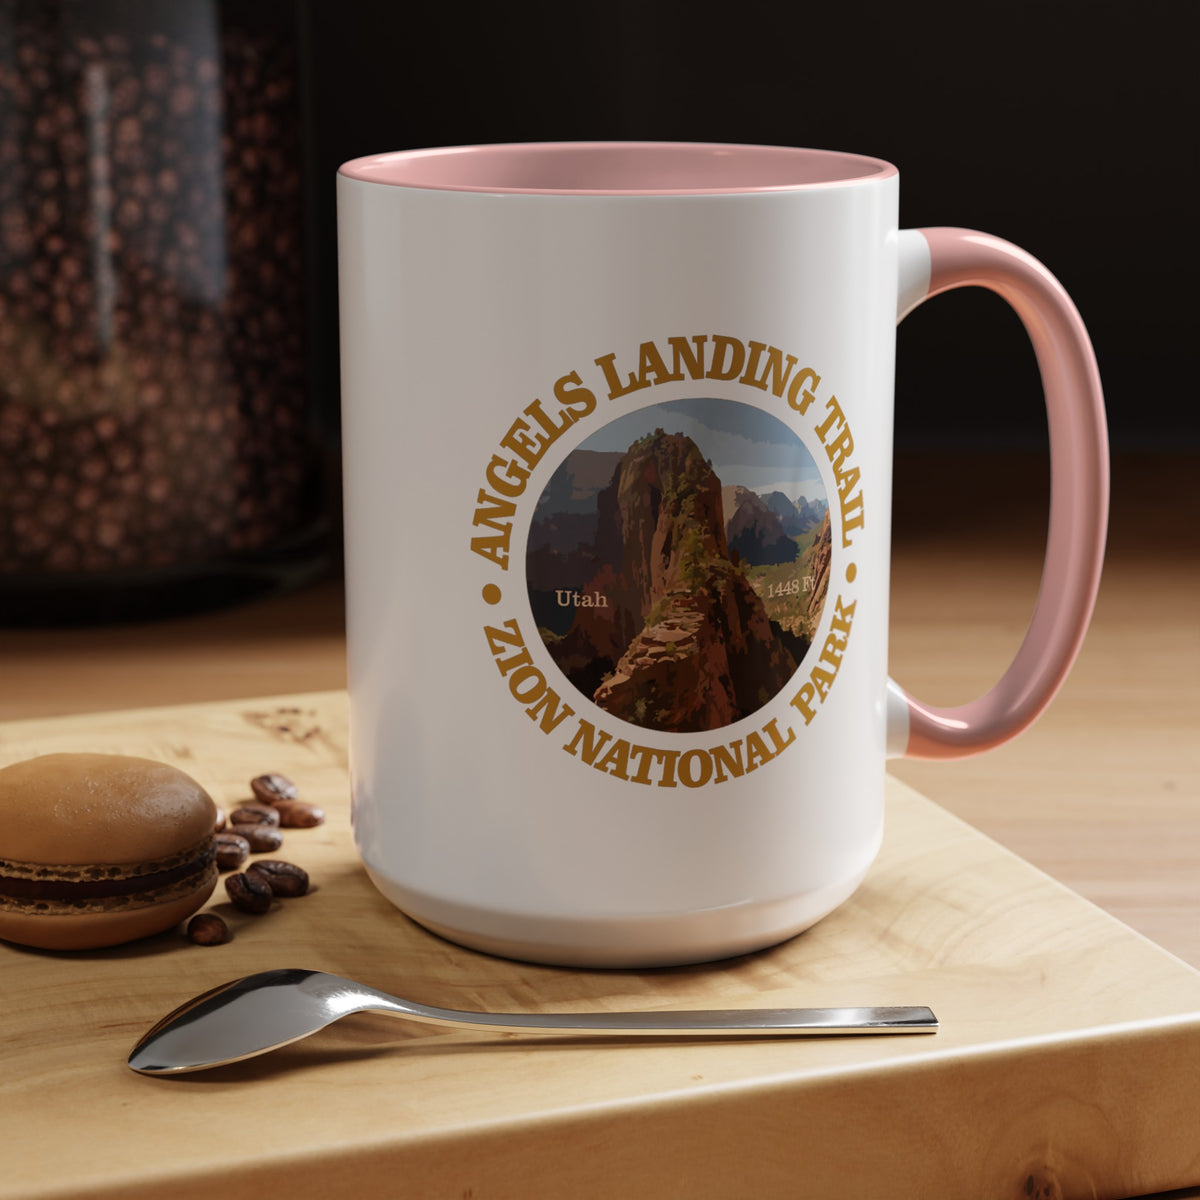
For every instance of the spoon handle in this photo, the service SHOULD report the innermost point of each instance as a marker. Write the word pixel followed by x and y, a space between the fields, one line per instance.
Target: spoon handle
pixel 723 1022
pixel 262 1012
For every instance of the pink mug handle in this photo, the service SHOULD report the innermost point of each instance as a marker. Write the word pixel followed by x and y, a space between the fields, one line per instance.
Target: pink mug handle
pixel 1078 490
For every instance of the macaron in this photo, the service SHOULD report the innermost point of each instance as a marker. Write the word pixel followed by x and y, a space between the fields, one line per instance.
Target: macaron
pixel 100 849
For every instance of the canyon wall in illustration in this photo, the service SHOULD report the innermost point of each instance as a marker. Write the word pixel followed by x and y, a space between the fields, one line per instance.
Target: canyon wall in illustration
pixel 671 600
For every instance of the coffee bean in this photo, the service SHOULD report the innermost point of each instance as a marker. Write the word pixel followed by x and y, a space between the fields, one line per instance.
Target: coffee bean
pixel 220 823
pixel 232 851
pixel 271 789
pixel 254 814
pixel 283 878
pixel 249 893
pixel 262 838
pixel 207 929
pixel 295 814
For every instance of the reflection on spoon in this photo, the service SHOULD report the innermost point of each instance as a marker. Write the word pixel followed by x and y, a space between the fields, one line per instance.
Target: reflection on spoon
pixel 273 1008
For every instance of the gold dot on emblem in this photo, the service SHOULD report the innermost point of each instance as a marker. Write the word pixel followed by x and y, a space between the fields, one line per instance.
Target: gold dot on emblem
pixel 851 572
pixel 491 593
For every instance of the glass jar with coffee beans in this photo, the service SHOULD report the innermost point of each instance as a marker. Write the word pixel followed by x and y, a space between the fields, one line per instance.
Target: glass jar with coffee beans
pixel 158 445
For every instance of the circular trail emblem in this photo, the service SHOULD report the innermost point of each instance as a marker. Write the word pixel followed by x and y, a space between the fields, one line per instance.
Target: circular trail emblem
pixel 678 562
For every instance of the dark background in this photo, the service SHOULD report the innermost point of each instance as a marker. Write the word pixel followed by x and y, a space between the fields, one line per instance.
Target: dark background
pixel 1064 126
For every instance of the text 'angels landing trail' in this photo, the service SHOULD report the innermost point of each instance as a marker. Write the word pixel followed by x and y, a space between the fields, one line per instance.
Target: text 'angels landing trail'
pixel 703 594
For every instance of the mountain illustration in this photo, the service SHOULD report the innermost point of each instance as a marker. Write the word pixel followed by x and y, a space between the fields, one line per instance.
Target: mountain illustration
pixel 573 487
pixel 811 511
pixel 789 514
pixel 681 642
pixel 796 517
pixel 560 552
pixel 754 531
pixel 818 559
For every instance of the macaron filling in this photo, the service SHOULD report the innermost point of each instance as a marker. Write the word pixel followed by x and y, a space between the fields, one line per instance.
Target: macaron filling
pixel 42 888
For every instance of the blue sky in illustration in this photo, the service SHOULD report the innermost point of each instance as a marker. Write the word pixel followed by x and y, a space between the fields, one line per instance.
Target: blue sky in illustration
pixel 746 445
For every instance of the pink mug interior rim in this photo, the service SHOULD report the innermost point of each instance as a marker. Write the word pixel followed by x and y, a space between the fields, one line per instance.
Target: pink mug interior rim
pixel 617 168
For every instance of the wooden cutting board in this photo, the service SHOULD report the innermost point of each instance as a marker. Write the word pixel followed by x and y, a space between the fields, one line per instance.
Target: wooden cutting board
pixel 1067 1064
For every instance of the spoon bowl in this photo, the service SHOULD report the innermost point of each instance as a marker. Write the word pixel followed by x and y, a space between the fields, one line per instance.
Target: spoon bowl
pixel 262 1012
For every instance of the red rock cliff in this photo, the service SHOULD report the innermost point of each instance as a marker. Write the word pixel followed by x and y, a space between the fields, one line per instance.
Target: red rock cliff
pixel 684 643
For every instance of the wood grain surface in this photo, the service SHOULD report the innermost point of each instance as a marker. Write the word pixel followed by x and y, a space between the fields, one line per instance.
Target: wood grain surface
pixel 1103 792
pixel 1065 1066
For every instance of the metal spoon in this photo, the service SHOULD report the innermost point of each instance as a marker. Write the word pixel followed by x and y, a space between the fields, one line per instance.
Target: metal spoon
pixel 265 1011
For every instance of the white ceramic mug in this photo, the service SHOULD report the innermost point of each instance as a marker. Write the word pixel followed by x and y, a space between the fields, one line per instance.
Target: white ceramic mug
pixel 617 445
